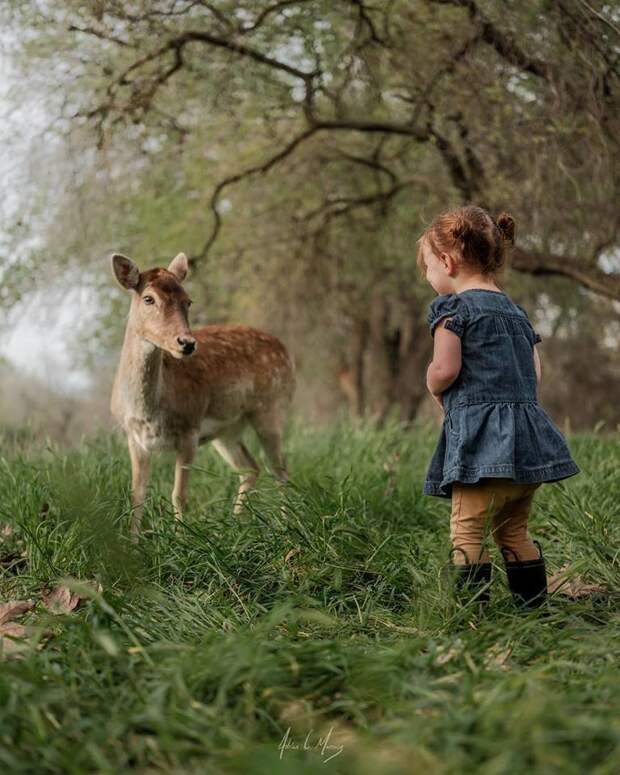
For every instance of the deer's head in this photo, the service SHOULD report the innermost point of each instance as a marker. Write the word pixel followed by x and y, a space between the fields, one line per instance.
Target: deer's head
pixel 159 307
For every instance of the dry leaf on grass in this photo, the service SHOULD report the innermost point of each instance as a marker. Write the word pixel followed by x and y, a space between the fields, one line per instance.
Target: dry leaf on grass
pixel 291 553
pixel 61 600
pixel 12 639
pixel 15 639
pixel 496 657
pixel 446 655
pixel 13 609
pixel 574 587
pixel 6 531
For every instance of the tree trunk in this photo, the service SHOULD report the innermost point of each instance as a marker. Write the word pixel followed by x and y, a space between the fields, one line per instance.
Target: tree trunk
pixel 377 372
pixel 351 375
pixel 386 368
pixel 416 348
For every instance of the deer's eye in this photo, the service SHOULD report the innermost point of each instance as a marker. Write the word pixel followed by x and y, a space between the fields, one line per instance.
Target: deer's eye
pixel 189 302
pixel 148 300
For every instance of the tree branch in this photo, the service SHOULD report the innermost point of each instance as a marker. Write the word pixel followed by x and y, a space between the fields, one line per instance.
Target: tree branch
pixel 456 170
pixel 354 125
pixel 372 163
pixel 223 185
pixel 590 277
pixel 275 8
pixel 367 21
pixel 200 36
pixel 100 35
pixel 505 46
pixel 333 208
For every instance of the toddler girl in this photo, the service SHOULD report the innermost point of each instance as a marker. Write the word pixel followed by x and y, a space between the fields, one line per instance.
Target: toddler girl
pixel 497 443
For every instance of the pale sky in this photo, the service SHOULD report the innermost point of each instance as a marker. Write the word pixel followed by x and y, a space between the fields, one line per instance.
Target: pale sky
pixel 38 337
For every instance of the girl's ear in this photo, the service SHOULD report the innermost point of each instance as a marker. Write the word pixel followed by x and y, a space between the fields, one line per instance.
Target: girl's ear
pixel 449 264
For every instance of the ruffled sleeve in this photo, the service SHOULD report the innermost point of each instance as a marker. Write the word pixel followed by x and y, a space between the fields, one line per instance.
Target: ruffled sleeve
pixel 448 306
pixel 535 336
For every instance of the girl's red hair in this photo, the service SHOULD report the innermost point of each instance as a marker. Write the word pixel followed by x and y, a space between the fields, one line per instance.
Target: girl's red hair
pixel 472 235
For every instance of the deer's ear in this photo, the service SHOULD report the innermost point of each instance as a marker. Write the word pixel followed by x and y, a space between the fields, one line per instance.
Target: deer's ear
pixel 179 266
pixel 125 271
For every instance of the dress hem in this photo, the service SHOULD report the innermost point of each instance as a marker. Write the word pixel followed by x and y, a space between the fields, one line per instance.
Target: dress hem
pixel 465 475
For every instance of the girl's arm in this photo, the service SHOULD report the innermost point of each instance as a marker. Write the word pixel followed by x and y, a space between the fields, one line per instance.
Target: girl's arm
pixel 537 366
pixel 446 363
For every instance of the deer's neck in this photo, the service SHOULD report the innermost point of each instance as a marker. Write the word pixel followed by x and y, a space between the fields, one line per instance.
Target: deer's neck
pixel 140 374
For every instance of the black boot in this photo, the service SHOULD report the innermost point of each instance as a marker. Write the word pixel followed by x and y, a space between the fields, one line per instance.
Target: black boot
pixel 472 580
pixel 527 579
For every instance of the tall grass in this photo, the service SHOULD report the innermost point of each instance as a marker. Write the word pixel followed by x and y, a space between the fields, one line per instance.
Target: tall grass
pixel 324 618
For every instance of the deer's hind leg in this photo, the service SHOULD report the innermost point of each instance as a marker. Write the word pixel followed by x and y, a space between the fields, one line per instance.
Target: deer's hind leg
pixel 269 427
pixel 185 457
pixel 236 454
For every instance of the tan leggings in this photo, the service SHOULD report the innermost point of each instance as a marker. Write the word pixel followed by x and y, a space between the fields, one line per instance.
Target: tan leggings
pixel 503 505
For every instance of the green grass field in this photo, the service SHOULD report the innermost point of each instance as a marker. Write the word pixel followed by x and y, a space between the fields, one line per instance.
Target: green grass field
pixel 328 624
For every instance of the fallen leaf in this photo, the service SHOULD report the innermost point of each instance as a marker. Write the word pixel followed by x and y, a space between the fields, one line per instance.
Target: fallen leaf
pixel 291 553
pixel 446 652
pixel 10 636
pixel 61 600
pixel 496 657
pixel 574 587
pixel 14 608
pixel 6 531
pixel 15 639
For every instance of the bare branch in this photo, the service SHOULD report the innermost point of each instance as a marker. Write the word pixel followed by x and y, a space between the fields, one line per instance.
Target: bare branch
pixel 590 277
pixel 223 185
pixel 354 125
pixel 100 35
pixel 200 36
pixel 475 169
pixel 271 9
pixel 458 174
pixel 602 18
pixel 335 207
pixel 505 46
pixel 219 16
pixel 176 46
pixel 367 21
pixel 373 163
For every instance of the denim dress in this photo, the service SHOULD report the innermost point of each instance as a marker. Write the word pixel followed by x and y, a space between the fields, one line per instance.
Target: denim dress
pixel 493 424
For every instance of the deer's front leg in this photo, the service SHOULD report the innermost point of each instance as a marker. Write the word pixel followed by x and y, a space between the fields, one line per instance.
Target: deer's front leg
pixel 140 468
pixel 185 457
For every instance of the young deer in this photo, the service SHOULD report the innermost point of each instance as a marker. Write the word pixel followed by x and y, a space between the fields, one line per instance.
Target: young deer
pixel 176 388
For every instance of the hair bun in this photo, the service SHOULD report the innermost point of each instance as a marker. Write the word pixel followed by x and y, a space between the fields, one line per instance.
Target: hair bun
pixel 506 225
pixel 461 230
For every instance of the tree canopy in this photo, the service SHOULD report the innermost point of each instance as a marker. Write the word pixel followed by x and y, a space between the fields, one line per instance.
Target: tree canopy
pixel 296 150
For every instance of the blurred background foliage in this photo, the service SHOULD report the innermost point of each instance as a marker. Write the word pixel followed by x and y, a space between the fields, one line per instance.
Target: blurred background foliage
pixel 296 150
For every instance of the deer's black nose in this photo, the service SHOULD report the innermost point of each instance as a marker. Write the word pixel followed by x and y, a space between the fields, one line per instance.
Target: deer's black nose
pixel 187 344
